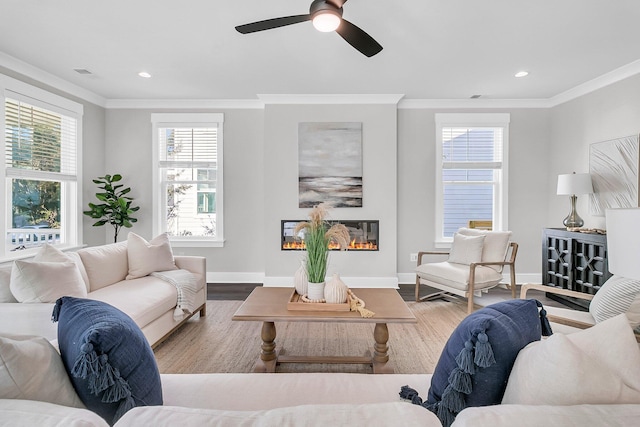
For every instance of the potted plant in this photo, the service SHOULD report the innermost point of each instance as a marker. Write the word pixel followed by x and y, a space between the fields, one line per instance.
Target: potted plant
pixel 115 208
pixel 318 234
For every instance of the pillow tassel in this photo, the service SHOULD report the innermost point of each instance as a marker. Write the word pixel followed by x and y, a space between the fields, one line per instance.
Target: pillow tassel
pixel 484 353
pixel 86 363
pixel 104 378
pixel 411 394
pixel 544 322
pixel 453 400
pixel 118 391
pixel 445 415
pixel 460 381
pixel 464 359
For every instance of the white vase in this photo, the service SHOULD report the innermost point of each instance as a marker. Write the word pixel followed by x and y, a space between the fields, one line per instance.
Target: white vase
pixel 315 291
pixel 300 279
pixel 335 291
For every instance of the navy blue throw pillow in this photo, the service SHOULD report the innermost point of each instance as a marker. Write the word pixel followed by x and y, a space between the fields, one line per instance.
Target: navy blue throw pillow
pixel 475 364
pixel 108 359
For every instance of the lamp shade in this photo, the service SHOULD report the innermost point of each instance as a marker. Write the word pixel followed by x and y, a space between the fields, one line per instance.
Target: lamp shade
pixel 574 183
pixel 623 242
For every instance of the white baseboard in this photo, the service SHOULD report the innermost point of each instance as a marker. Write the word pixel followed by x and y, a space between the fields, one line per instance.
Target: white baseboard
pixel 353 282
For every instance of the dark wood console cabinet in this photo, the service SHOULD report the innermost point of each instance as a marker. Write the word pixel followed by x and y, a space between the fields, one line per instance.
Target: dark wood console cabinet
pixel 575 261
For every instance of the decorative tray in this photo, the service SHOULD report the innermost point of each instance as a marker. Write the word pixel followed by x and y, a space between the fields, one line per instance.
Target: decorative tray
pixel 295 303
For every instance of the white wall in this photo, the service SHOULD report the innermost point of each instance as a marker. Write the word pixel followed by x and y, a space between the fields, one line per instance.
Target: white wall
pixel 608 113
pixel 379 145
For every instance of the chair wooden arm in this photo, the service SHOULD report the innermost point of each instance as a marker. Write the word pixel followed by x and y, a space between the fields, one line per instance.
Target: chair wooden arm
pixel 552 290
pixel 423 253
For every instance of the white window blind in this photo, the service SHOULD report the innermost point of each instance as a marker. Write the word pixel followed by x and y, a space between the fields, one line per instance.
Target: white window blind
pixel 189 168
pixel 471 171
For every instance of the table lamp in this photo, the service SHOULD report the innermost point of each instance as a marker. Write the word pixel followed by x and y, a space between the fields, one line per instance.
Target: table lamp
pixel 572 184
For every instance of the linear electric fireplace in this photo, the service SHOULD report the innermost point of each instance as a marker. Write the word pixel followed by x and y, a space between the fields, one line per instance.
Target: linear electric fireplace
pixel 363 235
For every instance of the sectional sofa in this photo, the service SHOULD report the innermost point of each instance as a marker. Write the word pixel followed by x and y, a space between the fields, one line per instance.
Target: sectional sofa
pixel 104 275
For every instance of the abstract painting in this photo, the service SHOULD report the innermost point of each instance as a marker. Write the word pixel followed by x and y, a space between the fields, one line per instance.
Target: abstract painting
pixel 613 166
pixel 330 164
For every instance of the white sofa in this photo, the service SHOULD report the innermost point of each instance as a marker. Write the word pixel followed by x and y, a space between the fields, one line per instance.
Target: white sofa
pixel 148 300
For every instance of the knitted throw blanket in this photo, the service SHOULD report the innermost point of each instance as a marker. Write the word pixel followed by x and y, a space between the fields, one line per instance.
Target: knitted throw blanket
pixel 185 283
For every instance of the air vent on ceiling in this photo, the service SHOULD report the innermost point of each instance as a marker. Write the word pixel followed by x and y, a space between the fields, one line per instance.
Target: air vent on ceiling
pixel 82 71
pixel 475 96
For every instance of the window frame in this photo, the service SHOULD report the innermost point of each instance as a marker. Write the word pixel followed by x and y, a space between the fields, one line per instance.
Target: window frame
pixel 501 203
pixel 71 190
pixel 193 120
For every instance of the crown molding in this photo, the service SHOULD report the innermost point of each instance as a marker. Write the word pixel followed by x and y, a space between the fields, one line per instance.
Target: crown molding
pixel 49 79
pixel 440 104
pixel 604 80
pixel 184 103
pixel 316 99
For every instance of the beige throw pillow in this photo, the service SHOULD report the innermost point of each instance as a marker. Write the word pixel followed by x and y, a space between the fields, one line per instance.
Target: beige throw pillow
pixel 105 264
pixel 33 281
pixel 31 369
pixel 466 249
pixel 50 253
pixel 147 257
pixel 599 365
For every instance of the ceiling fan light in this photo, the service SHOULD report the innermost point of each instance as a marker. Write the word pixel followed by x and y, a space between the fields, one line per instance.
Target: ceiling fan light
pixel 326 21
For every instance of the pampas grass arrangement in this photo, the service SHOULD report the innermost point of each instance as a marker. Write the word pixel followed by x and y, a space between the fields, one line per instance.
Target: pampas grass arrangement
pixel 318 234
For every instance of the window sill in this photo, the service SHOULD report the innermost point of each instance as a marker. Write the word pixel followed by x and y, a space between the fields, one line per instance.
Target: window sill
pixel 196 243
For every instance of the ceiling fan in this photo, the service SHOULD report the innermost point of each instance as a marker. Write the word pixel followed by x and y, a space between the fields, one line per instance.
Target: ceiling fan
pixel 326 16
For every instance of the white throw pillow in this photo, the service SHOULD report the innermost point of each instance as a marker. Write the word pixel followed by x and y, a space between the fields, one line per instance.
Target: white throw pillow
pixel 52 254
pixel 32 369
pixel 105 264
pixel 466 249
pixel 599 365
pixel 148 257
pixel 33 281
pixel 616 296
pixel 496 244
pixel 5 284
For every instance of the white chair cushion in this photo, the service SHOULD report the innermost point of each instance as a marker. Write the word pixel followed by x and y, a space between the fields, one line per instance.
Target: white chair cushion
pixel 457 275
pixel 617 296
pixel 466 249
pixel 147 257
pixel 496 244
pixel 33 281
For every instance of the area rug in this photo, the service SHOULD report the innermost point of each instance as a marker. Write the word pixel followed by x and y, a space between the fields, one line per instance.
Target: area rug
pixel 215 343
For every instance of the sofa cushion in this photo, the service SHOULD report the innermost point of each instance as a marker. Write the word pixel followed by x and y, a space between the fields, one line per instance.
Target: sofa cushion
pixel 495 247
pixel 28 413
pixel 477 359
pixel 146 257
pixel 457 275
pixel 614 297
pixel 33 281
pixel 144 299
pixel 466 249
pixel 108 359
pixel 598 365
pixel 5 284
pixel 105 264
pixel 380 414
pixel 31 369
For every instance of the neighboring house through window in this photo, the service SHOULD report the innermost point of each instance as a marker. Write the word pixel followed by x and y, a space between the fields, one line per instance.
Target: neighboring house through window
pixel 187 156
pixel 42 142
pixel 471 171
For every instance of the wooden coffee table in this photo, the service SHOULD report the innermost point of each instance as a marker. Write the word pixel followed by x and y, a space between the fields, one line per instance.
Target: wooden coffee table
pixel 269 305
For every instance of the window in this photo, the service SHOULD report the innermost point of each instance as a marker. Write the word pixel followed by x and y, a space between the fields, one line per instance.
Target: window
pixel 188 183
pixel 39 200
pixel 471 171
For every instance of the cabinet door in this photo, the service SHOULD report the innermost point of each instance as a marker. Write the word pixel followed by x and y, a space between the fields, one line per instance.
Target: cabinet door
pixel 556 262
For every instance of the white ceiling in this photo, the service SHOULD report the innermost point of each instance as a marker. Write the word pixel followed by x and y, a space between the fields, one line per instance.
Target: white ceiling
pixel 433 49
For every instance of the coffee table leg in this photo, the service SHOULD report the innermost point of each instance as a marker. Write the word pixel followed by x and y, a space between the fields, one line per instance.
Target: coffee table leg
pixel 380 355
pixel 268 355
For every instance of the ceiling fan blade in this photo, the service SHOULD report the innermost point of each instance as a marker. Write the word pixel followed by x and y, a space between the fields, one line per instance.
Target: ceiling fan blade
pixel 357 38
pixel 337 3
pixel 268 24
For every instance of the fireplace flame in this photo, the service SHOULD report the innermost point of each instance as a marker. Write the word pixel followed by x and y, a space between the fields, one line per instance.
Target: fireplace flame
pixel 353 246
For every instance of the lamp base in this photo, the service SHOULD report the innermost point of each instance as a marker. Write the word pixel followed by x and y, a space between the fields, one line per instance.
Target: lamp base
pixel 573 220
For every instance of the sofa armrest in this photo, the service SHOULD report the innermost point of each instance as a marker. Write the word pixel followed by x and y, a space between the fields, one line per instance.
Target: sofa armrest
pixel 195 264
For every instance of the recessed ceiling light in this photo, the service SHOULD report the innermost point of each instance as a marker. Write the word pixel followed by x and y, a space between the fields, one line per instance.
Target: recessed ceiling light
pixel 144 74
pixel 522 73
